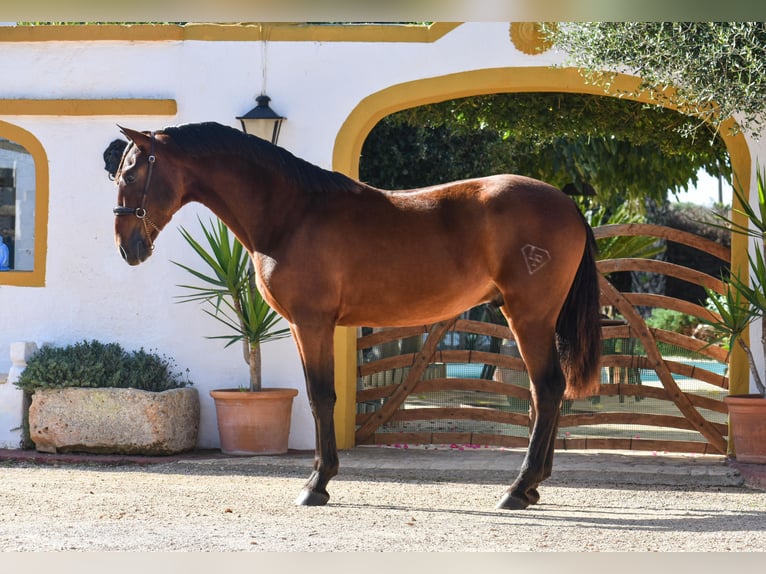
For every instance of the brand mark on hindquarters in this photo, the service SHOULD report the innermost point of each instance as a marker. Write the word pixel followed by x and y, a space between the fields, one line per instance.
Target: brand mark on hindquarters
pixel 535 257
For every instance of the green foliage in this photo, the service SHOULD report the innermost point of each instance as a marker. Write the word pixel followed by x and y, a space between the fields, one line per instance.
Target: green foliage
pixel 736 314
pixel 671 320
pixel 399 155
pixel 745 298
pixel 229 294
pixel 716 68
pixel 626 150
pixel 97 365
pixel 622 246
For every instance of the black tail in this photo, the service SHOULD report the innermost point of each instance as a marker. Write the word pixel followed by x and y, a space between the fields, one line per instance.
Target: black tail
pixel 579 327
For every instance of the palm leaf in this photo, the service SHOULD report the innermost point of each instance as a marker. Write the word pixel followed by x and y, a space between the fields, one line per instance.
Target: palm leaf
pixel 227 291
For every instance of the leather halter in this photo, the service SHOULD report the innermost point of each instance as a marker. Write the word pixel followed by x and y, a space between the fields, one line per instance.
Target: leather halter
pixel 140 212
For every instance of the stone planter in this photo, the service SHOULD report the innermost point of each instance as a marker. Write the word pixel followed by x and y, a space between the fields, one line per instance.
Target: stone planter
pixel 114 421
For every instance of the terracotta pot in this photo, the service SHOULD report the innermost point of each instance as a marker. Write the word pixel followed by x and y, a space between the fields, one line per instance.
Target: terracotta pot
pixel 747 414
pixel 251 423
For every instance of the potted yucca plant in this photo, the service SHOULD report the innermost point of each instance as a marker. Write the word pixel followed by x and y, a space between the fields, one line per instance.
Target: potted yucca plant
pixel 251 420
pixel 744 301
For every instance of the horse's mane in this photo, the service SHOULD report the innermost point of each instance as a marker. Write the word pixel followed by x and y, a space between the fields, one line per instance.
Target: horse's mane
pixel 210 138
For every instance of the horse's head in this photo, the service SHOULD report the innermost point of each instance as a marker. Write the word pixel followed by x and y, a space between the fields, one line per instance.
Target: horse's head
pixel 146 196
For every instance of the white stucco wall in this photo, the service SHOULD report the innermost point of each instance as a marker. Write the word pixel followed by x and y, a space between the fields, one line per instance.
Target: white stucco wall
pixel 90 292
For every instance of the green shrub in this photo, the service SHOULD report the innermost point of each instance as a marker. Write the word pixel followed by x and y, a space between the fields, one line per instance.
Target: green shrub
pixel 94 364
pixel 671 320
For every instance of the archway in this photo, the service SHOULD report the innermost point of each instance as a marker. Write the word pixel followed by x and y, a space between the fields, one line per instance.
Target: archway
pixel 353 132
pixel 33 272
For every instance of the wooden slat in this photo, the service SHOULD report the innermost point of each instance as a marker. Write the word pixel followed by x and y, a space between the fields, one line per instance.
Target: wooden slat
pixel 689 371
pixel 665 302
pixel 448 438
pixel 448 356
pixel 395 362
pixel 388 335
pixel 701 402
pixel 480 414
pixel 456 384
pixel 715 352
pixel 652 420
pixel 617 332
pixel 646 391
pixel 561 444
pixel 609 443
pixel 482 357
pixel 462 325
pixel 483 328
pixel 482 385
pixel 698 373
pixel 625 390
pixel 693 276
pixel 675 235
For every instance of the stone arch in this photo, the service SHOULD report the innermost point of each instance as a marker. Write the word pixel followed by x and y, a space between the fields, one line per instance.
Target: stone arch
pixel 376 106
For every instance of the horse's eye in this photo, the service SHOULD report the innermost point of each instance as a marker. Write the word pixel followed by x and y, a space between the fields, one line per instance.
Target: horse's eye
pixel 129 177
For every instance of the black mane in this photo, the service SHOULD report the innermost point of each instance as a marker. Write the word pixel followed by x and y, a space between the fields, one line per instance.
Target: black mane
pixel 210 138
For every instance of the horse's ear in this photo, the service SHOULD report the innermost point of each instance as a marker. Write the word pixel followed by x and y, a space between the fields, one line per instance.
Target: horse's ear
pixel 138 138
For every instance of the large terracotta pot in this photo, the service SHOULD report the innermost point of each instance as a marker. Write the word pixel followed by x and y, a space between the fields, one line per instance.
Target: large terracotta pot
pixel 251 423
pixel 748 427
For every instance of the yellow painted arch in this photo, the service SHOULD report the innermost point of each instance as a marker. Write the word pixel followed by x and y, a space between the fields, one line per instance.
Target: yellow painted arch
pixel 373 108
pixel 36 277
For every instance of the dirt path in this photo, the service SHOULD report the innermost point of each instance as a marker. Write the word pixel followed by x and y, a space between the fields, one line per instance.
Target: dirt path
pixel 427 501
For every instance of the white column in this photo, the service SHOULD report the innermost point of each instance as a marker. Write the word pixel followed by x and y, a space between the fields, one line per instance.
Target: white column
pixel 11 397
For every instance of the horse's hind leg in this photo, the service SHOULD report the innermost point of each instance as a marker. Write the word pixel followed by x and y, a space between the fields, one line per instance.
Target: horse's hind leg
pixel 316 349
pixel 537 346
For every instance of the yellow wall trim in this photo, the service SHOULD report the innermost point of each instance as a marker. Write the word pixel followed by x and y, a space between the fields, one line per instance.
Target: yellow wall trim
pixel 105 107
pixel 272 31
pixel 36 277
pixel 93 33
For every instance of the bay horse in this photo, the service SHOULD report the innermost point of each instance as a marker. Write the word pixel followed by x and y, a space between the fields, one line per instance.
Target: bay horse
pixel 329 250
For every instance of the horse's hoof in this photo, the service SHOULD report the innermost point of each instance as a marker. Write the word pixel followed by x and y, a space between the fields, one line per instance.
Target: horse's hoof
pixel 312 498
pixel 512 502
pixel 533 496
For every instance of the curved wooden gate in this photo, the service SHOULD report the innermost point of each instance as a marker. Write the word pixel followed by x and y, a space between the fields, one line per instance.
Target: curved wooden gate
pixel 660 390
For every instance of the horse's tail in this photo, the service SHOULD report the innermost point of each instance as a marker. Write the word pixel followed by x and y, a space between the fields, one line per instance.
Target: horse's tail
pixel 578 328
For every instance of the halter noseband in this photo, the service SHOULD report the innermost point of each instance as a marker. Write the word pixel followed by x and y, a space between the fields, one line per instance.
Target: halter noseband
pixel 140 212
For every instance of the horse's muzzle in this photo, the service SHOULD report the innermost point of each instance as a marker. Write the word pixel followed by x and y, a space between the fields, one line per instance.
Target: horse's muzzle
pixel 135 250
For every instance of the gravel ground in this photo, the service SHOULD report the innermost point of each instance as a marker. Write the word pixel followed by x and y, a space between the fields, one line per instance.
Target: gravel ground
pixel 381 501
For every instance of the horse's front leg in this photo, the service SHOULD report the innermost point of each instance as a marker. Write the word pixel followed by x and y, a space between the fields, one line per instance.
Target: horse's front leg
pixel 315 345
pixel 547 382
